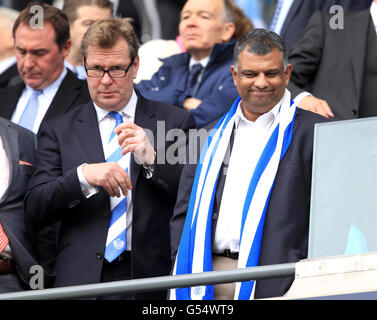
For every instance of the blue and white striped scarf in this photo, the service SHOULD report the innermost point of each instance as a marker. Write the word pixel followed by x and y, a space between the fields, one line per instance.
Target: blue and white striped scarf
pixel 195 251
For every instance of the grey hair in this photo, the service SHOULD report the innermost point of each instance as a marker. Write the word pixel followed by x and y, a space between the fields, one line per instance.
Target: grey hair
pixel 229 15
pixel 260 42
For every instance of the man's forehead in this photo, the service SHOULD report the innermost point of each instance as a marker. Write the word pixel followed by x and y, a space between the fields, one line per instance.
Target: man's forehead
pixel 112 51
pixel 204 6
pixel 272 58
pixel 118 54
pixel 27 33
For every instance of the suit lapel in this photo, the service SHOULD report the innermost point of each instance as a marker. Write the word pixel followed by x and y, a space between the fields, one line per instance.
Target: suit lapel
pixel 291 13
pixel 144 118
pixel 9 99
pixel 67 93
pixel 87 128
pixel 356 36
pixel 10 142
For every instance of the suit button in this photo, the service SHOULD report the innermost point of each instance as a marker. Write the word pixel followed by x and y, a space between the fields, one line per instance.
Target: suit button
pixel 99 256
pixel 73 203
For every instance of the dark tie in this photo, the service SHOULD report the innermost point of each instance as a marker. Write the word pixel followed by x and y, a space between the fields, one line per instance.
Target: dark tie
pixel 192 80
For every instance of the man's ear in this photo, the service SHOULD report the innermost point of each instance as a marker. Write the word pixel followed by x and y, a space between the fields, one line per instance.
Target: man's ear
pixel 228 31
pixel 288 73
pixel 234 73
pixel 66 48
pixel 136 66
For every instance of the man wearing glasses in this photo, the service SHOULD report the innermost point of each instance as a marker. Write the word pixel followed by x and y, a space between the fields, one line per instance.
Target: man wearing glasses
pixel 110 188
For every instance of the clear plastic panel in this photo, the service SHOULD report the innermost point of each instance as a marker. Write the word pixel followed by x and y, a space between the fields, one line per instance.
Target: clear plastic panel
pixel 343 213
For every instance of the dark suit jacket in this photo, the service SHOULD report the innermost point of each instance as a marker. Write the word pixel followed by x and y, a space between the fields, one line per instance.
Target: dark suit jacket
pixel 330 63
pixel 301 11
pixel 285 234
pixel 71 93
pixel 72 139
pixel 28 248
pixel 10 77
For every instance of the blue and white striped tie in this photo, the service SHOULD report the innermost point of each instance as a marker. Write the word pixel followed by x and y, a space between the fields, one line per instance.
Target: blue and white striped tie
pixel 116 241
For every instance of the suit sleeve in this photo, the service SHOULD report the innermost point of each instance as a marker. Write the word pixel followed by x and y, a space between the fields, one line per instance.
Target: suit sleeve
pixel 177 222
pixel 306 55
pixel 168 169
pixel 50 192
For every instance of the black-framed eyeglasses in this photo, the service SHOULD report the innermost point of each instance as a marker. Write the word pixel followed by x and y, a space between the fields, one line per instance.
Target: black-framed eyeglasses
pixel 113 73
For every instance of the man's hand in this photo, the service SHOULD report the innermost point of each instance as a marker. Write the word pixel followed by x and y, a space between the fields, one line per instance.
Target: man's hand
pixel 108 175
pixel 133 138
pixel 316 105
pixel 191 103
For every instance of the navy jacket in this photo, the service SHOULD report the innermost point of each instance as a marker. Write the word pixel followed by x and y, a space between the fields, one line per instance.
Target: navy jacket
pixel 54 194
pixel 216 89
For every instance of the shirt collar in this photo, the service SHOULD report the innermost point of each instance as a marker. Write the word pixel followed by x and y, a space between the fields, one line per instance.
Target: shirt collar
pixel 203 62
pixel 266 118
pixel 129 109
pixel 7 63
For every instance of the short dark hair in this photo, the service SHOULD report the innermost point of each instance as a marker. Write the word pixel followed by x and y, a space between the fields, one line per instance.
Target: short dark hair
pixel 51 14
pixel 260 42
pixel 105 33
pixel 70 7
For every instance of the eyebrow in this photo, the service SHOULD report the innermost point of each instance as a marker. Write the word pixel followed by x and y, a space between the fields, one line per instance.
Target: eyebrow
pixel 267 71
pixel 33 51
pixel 199 12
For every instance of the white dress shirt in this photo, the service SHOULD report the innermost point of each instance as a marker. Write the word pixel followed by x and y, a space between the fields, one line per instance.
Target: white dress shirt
pixel 79 70
pixel 106 125
pixel 4 182
pixel 286 6
pixel 249 141
pixel 4 169
pixel 44 101
pixel 373 13
pixel 6 63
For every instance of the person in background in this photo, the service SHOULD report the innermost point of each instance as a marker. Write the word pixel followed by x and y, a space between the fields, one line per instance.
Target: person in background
pixel 199 80
pixel 249 204
pixel 48 88
pixel 21 247
pixel 8 67
pixel 114 203
pixel 292 16
pixel 324 55
pixel 81 14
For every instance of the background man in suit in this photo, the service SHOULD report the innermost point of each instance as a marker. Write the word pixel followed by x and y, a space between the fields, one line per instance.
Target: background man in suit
pixel 73 182
pixel 292 16
pixel 81 14
pixel 324 55
pixel 48 89
pixel 199 79
pixel 8 68
pixel 289 21
pixel 253 196
pixel 20 247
